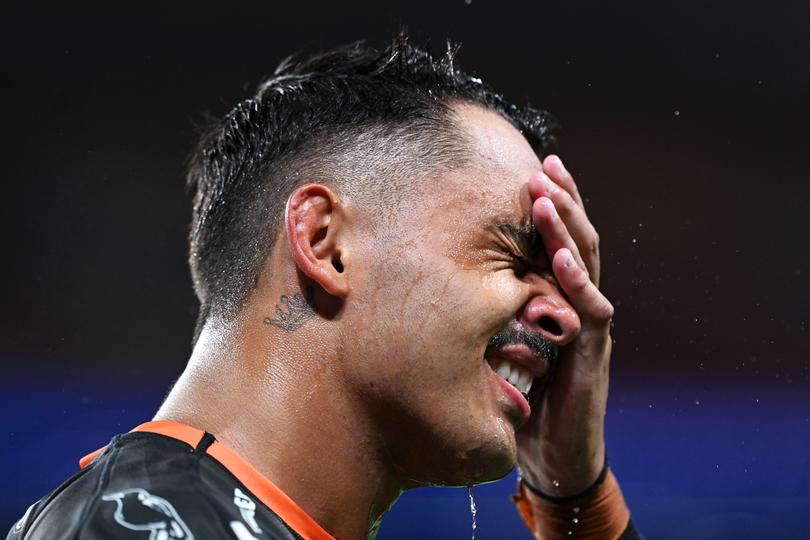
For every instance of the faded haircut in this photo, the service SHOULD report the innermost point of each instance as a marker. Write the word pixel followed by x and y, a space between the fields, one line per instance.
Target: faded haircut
pixel 356 118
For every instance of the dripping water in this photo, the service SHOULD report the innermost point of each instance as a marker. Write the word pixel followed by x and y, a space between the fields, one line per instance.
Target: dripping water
pixel 472 510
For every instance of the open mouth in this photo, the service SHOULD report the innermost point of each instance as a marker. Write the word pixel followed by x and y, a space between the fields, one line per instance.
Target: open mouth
pixel 515 375
pixel 519 367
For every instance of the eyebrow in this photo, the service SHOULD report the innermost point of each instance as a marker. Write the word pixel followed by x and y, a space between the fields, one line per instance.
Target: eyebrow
pixel 524 234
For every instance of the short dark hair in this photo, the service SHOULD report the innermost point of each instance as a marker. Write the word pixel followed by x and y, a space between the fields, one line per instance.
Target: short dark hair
pixel 314 115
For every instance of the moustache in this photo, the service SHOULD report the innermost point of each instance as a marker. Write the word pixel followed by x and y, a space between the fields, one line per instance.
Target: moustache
pixel 514 334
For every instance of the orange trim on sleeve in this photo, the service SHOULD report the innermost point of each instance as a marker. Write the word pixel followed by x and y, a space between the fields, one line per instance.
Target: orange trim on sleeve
pixel 601 516
pixel 265 490
pixel 86 460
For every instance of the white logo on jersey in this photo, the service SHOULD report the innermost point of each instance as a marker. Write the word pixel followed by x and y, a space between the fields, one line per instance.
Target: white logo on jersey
pixel 248 510
pixel 139 510
pixel 241 532
pixel 19 525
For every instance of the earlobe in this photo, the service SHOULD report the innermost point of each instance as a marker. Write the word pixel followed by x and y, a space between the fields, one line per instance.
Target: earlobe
pixel 315 220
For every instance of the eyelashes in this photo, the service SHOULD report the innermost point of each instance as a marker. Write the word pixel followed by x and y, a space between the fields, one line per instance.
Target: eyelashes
pixel 522 265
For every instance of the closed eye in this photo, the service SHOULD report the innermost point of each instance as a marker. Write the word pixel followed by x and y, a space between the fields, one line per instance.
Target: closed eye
pixel 520 245
pixel 522 264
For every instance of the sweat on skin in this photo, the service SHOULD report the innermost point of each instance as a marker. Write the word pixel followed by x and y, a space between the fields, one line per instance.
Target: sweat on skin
pixel 385 385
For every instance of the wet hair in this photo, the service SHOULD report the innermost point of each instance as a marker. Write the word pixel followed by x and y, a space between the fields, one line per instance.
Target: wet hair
pixel 356 118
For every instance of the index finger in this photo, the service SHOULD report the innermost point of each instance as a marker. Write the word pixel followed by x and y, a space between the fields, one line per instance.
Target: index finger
pixel 554 168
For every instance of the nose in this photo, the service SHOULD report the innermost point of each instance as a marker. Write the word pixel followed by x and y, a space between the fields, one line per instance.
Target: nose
pixel 550 315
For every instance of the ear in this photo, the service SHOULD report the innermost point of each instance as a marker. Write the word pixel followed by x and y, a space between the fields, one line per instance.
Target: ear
pixel 314 217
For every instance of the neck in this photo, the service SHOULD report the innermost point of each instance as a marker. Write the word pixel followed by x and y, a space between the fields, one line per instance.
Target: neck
pixel 282 408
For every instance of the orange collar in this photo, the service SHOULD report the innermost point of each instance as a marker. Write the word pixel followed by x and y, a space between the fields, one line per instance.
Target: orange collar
pixel 266 491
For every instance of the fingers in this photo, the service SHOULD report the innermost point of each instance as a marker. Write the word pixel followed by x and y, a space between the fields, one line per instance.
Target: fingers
pixel 553 231
pixel 574 218
pixel 553 167
pixel 593 308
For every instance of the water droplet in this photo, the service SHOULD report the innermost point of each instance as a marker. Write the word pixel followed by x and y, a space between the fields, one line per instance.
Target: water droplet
pixel 634 240
pixel 576 510
pixel 556 483
pixel 472 510
pixel 468 2
pixel 570 533
pixel 575 520
pixel 697 402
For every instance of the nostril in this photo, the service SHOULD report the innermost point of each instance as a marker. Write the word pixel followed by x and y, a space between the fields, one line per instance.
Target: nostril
pixel 550 325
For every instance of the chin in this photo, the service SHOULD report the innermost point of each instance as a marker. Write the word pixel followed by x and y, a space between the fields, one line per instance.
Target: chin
pixel 460 444
pixel 488 468
pixel 480 464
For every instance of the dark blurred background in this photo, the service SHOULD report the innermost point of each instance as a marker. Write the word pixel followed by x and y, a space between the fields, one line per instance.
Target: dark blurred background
pixel 686 125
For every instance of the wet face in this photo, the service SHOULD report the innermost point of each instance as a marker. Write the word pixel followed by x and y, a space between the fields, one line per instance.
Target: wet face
pixel 458 289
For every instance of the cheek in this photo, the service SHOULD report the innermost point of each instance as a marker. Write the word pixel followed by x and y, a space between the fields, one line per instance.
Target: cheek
pixel 423 320
pixel 451 309
pixel 418 366
pixel 420 318
pixel 504 293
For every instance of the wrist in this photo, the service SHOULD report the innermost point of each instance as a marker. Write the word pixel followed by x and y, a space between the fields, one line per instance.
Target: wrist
pixel 553 495
pixel 565 475
pixel 599 515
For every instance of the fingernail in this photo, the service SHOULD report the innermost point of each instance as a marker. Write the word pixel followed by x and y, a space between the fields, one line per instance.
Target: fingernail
pixel 569 262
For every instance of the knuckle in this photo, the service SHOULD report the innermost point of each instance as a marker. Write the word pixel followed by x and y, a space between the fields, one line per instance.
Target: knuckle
pixel 586 272
pixel 580 281
pixel 604 310
pixel 592 245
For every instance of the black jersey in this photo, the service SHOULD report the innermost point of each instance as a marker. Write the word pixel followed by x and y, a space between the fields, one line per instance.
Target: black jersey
pixel 165 480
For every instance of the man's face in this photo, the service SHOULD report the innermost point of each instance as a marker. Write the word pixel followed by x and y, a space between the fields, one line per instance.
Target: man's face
pixel 456 271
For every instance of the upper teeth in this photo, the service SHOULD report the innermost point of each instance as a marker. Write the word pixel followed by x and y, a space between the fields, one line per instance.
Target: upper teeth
pixel 519 377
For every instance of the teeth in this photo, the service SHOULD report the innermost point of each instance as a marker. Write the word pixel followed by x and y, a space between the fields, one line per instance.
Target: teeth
pixel 525 382
pixel 517 376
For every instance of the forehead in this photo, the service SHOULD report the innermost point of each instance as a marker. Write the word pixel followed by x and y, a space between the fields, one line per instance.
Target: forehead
pixel 494 187
pixel 497 143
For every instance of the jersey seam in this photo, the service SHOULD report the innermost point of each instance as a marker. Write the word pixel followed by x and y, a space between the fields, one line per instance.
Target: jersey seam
pixel 92 501
pixel 195 476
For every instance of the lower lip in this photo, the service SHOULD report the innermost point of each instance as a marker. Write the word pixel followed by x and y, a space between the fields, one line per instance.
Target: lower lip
pixel 515 396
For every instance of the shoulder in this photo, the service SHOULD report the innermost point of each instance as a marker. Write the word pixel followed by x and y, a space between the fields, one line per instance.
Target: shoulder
pixel 146 486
